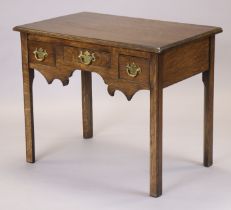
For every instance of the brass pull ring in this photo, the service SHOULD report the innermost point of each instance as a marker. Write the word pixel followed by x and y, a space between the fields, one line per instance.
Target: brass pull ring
pixel 86 58
pixel 133 70
pixel 40 54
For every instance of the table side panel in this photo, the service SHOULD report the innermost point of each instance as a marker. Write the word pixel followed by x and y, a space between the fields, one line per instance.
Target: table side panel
pixel 185 61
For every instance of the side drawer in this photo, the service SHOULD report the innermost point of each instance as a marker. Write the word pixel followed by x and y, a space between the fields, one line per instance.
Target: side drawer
pixel 42 53
pixel 133 68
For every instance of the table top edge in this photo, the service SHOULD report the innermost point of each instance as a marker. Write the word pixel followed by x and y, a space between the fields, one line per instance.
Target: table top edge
pixel 25 29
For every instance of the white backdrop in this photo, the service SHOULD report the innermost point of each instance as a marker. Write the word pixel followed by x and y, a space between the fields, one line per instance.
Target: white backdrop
pixel 111 171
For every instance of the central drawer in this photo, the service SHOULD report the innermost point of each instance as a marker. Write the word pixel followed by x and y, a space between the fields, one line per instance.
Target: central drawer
pixel 76 56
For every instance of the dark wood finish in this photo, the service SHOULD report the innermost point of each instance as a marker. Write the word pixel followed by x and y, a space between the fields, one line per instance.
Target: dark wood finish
pixel 156 98
pixel 103 58
pixel 87 104
pixel 50 60
pixel 125 32
pixel 143 63
pixel 208 79
pixel 128 88
pixel 28 76
pixel 109 63
pixel 166 52
pixel 185 61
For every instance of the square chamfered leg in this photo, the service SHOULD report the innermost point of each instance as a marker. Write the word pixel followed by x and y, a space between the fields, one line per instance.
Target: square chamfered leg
pixel 28 76
pixel 156 97
pixel 87 104
pixel 208 80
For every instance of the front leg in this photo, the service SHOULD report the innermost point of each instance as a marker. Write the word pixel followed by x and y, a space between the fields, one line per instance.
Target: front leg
pixel 87 104
pixel 156 97
pixel 208 79
pixel 28 76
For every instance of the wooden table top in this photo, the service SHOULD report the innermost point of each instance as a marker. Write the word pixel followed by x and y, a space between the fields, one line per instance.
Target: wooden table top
pixel 135 33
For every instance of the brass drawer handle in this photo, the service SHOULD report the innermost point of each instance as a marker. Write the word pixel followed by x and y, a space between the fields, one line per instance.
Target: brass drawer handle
pixel 40 54
pixel 133 70
pixel 86 58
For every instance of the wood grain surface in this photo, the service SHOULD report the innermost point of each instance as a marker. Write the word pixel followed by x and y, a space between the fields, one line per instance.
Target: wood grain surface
pixel 87 115
pixel 156 107
pixel 208 79
pixel 142 77
pixel 136 33
pixel 182 62
pixel 50 60
pixel 28 76
pixel 166 52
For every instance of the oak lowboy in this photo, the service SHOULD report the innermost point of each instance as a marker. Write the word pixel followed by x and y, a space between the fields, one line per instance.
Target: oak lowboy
pixel 130 54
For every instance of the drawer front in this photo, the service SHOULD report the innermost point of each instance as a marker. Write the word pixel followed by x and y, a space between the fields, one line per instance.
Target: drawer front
pixel 74 56
pixel 135 69
pixel 42 53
